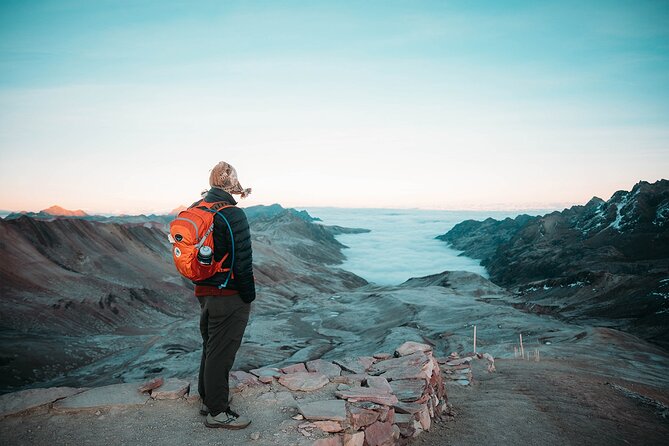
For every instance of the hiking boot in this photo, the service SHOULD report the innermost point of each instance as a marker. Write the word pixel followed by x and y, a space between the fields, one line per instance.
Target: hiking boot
pixel 227 420
pixel 204 410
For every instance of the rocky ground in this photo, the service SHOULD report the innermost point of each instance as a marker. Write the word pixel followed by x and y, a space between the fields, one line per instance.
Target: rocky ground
pixel 78 317
pixel 557 401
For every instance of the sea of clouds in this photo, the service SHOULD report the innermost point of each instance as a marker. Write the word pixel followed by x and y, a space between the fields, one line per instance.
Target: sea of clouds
pixel 402 243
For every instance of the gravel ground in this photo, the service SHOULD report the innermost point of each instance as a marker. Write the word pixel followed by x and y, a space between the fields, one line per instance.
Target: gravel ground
pixel 550 403
pixel 163 423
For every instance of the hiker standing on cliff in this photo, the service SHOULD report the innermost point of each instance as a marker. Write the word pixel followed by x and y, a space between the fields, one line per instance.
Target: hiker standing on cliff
pixel 225 299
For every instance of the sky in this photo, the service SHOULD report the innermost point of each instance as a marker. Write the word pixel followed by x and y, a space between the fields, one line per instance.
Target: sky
pixel 125 106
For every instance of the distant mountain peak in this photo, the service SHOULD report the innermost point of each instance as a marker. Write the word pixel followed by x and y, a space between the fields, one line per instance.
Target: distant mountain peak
pixel 60 211
pixel 177 209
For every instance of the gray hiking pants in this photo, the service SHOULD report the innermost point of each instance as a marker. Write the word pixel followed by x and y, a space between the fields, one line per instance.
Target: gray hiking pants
pixel 223 320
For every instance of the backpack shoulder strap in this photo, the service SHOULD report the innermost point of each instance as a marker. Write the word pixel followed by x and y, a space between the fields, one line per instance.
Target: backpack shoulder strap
pixel 212 206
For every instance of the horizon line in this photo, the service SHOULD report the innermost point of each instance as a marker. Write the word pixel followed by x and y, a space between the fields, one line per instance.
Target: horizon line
pixel 492 208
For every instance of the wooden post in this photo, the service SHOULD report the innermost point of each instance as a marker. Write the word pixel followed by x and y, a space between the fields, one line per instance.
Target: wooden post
pixel 522 350
pixel 474 339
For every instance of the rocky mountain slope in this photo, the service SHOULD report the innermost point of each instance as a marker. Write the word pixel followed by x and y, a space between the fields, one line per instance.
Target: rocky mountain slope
pixel 607 259
pixel 88 298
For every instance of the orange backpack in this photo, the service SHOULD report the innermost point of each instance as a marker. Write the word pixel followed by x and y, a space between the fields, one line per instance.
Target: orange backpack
pixel 190 232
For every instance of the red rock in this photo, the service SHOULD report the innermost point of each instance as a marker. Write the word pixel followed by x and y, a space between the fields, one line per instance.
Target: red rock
pixel 325 410
pixel 171 389
pixel 304 381
pixel 367 394
pixel 396 432
pixel 329 441
pixel 424 419
pixel 294 368
pixel 265 379
pixel 23 400
pixel 382 356
pixel 367 361
pixel 329 426
pixel 239 380
pixel 379 434
pixel 410 347
pixel 150 385
pixel 114 395
pixel 327 368
pixel 387 414
pixel 352 379
pixel 356 439
pixel 362 417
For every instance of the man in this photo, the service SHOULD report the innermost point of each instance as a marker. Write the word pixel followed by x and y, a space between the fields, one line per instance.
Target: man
pixel 225 299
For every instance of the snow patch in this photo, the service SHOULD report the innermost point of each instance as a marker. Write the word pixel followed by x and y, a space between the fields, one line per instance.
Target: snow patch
pixel 619 209
pixel 661 215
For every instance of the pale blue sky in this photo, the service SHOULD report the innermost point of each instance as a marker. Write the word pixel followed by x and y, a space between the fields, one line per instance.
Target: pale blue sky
pixel 125 106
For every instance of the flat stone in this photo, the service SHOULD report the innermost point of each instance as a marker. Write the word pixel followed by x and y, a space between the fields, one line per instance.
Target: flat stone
pixel 396 433
pixel 266 371
pixel 356 439
pixel 266 379
pixel 239 380
pixel 362 417
pixel 408 390
pixel 352 379
pixel 333 410
pixel 171 389
pixel 382 356
pixel 115 395
pixel 367 394
pixel 387 414
pixel 329 441
pixel 379 383
pixel 17 402
pixel 410 347
pixel 415 365
pixel 366 405
pixel 408 408
pixel 354 365
pixel 295 368
pixel 304 381
pixel 456 367
pixel 404 419
pixel 462 382
pixel 460 361
pixel 327 368
pixel 280 399
pixel 424 419
pixel 329 426
pixel 150 385
pixel 379 434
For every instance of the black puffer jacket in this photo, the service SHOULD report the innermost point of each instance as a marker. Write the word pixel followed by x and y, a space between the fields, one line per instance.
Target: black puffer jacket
pixel 242 270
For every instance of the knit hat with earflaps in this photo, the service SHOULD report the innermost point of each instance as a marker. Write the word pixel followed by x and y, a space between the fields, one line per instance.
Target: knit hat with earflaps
pixel 224 176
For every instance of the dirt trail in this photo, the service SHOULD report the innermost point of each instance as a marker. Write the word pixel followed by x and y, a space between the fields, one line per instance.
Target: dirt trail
pixel 550 403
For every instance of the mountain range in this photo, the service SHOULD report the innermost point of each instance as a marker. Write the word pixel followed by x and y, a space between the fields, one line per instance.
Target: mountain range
pixel 605 260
